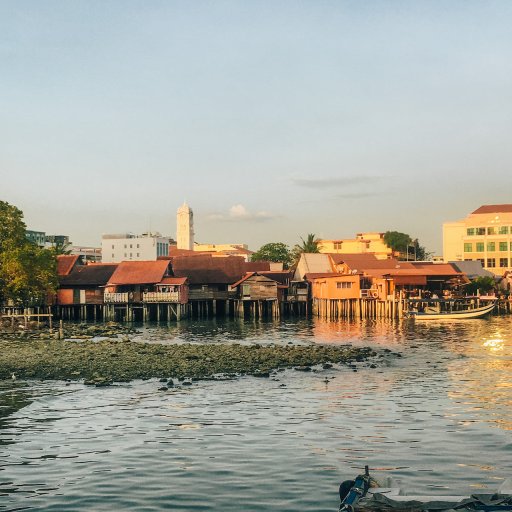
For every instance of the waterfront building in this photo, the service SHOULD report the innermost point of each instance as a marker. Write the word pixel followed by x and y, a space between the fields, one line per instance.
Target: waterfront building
pixel 363 243
pixel 129 247
pixel 225 249
pixel 185 228
pixel 88 254
pixel 41 239
pixel 485 235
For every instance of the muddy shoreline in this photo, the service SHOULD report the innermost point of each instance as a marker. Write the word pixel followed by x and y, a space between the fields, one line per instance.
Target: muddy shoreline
pixel 120 360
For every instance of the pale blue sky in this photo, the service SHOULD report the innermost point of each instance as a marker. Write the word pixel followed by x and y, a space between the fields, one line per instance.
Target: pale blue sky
pixel 273 119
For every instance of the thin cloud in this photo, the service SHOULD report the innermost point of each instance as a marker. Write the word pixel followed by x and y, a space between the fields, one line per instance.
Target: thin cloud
pixel 356 195
pixel 239 212
pixel 338 181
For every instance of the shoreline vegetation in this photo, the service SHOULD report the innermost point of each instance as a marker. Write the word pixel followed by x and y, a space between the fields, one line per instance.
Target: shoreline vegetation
pixel 101 362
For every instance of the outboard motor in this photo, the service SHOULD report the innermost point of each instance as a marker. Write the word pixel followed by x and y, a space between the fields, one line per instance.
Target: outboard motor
pixel 351 491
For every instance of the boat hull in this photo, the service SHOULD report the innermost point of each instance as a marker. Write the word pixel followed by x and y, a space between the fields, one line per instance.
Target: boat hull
pixel 454 315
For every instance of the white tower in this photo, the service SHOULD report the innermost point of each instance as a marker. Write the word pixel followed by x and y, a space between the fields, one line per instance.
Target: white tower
pixel 185 227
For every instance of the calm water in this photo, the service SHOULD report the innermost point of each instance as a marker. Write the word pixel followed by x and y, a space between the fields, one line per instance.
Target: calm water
pixel 438 420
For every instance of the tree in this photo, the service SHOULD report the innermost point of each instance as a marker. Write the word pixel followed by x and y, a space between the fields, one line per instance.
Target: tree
pixel 276 252
pixel 481 284
pixel 27 272
pixel 407 248
pixel 310 245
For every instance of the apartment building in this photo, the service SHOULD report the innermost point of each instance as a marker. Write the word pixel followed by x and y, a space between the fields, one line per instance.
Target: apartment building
pixel 485 235
pixel 127 246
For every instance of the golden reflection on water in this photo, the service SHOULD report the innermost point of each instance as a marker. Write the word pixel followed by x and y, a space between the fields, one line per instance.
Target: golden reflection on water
pixel 483 379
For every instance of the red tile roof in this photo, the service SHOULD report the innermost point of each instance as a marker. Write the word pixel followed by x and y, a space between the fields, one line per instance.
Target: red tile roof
pixel 139 272
pixel 206 269
pixel 173 280
pixel 257 266
pixel 493 208
pixel 65 263
pixel 94 275
pixel 368 261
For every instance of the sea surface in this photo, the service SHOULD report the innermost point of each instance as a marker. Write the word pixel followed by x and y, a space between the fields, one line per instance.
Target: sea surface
pixel 438 420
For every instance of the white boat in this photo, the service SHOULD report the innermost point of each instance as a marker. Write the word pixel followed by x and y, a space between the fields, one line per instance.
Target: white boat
pixel 366 494
pixel 436 312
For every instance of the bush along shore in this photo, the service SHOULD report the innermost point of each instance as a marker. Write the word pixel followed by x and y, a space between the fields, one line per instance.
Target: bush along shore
pixel 120 360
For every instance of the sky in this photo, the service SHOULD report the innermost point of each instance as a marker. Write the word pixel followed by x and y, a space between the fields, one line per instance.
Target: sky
pixel 271 119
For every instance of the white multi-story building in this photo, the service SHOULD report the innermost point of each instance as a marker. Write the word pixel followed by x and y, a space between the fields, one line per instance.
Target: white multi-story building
pixel 185 227
pixel 127 246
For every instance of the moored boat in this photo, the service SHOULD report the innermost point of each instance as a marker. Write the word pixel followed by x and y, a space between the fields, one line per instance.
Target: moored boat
pixel 448 310
pixel 367 494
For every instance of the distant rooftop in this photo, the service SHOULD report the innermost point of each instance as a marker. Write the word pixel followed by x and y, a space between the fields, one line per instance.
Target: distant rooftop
pixel 494 208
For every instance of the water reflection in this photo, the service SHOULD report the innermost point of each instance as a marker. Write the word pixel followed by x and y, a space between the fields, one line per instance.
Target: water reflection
pixel 438 416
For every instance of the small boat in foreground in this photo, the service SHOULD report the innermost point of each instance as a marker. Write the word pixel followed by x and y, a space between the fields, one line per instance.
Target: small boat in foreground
pixel 365 494
pixel 437 312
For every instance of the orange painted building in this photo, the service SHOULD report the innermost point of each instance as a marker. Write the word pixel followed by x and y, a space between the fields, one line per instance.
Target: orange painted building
pixel 334 286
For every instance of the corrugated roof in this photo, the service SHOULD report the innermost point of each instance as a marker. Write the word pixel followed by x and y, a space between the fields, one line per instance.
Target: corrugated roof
pixel 493 208
pixel 205 269
pixel 472 269
pixel 89 275
pixel 139 272
pixel 65 263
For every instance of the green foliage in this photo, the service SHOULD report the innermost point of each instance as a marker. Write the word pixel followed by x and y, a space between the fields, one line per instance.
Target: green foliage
pixel 276 252
pixel 407 248
pixel 27 273
pixel 310 245
pixel 482 284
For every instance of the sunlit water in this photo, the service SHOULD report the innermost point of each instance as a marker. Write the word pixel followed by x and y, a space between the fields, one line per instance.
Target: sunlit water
pixel 439 420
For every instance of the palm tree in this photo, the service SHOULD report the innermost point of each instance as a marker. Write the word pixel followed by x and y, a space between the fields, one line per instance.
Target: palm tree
pixel 310 245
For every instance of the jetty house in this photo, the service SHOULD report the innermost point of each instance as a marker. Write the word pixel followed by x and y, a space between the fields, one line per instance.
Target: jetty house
pixel 362 285
pixel 202 285
pixel 141 290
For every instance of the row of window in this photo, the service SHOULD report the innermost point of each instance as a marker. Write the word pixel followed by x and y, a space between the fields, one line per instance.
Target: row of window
pixel 494 230
pixel 491 246
pixel 491 262
pixel 126 255
pixel 343 285
pixel 126 246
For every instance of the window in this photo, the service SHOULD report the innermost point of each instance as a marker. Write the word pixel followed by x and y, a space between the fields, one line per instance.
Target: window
pixel 480 231
pixel 503 262
pixel 125 247
pixel 491 262
pixel 138 255
pixel 482 261
pixel 491 231
pixel 112 247
pixel 468 247
pixel 112 256
pixel 337 246
pixel 470 231
pixel 125 255
pixel 491 246
pixel 503 230
pixel 503 246
pixel 137 246
pixel 479 247
pixel 130 246
pixel 344 285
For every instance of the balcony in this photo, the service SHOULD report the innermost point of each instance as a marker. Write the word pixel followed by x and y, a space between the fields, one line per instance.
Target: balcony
pixel 210 295
pixel 161 297
pixel 116 298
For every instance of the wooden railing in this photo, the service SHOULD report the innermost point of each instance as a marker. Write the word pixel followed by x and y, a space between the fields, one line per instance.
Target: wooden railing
pixel 210 294
pixel 116 297
pixel 161 297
